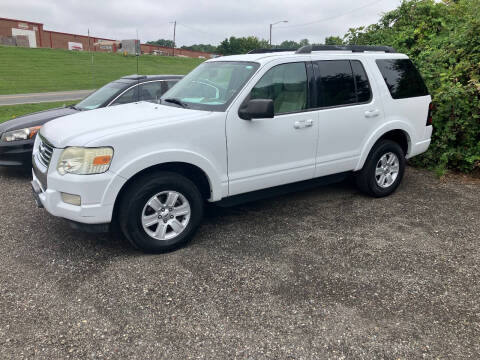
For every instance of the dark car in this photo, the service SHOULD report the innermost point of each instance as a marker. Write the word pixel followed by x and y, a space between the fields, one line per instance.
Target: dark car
pixel 17 135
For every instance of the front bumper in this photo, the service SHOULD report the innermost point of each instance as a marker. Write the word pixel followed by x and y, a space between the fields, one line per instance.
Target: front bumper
pixel 16 153
pixel 52 201
pixel 98 192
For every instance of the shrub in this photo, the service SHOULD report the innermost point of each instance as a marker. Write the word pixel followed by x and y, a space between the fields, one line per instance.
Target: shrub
pixel 442 40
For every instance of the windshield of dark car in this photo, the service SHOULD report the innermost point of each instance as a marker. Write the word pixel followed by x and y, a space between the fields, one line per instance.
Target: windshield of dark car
pixel 99 97
pixel 212 85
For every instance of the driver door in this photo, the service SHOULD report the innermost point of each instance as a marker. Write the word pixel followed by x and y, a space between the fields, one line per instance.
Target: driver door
pixel 263 153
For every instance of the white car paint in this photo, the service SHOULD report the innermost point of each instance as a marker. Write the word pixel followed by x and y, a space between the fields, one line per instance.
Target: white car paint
pixel 237 156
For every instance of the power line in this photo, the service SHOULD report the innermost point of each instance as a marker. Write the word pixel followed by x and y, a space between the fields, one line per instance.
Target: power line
pixel 330 17
pixel 195 29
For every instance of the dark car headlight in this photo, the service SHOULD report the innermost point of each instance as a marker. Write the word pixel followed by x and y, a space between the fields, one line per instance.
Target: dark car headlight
pixel 20 134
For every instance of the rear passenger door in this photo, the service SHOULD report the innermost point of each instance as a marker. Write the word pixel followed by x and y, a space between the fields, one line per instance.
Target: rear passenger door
pixel 347 113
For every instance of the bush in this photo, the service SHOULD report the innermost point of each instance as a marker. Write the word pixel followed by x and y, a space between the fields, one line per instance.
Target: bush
pixel 442 40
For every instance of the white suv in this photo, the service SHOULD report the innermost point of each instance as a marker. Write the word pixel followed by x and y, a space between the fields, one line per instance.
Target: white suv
pixel 235 125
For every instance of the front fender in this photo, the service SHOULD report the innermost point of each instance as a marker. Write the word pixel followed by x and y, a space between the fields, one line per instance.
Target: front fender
pixel 377 134
pixel 218 185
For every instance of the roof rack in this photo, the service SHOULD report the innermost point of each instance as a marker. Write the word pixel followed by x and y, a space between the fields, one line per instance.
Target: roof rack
pixel 263 51
pixel 307 49
pixel 353 48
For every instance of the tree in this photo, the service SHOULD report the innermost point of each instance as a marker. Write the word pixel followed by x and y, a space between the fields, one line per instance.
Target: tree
pixel 441 38
pixel 291 44
pixel 162 42
pixel 241 45
pixel 304 42
pixel 201 47
pixel 333 40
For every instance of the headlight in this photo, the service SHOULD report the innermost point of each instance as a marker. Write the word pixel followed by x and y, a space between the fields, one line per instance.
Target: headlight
pixel 84 161
pixel 20 134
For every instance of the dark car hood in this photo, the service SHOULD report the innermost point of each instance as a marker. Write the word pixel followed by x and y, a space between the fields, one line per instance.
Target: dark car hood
pixel 35 119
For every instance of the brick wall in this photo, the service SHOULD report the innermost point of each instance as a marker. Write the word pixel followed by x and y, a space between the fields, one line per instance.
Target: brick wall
pixel 60 40
pixel 6 26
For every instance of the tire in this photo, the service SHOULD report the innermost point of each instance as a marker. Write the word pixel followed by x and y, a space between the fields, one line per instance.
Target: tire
pixel 153 219
pixel 369 179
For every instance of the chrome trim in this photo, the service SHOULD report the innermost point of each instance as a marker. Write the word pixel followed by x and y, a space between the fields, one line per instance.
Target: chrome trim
pixel 45 151
pixel 131 87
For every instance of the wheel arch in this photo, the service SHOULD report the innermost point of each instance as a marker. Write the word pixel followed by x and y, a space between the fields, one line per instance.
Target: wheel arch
pixel 398 132
pixel 192 172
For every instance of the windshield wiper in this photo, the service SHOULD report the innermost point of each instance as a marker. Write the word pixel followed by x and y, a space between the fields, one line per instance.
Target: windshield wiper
pixel 176 101
pixel 74 107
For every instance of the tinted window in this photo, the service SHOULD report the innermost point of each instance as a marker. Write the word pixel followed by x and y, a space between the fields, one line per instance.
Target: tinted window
pixel 101 96
pixel 153 90
pixel 402 78
pixel 286 85
pixel 361 82
pixel 128 97
pixel 336 86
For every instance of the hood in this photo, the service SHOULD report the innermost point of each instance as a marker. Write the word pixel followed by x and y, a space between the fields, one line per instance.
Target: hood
pixel 86 126
pixel 35 119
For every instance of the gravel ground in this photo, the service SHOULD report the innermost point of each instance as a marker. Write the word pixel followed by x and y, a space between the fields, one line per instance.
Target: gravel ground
pixel 325 273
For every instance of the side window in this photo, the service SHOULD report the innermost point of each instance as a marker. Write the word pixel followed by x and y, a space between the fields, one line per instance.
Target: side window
pixel 128 97
pixel 402 78
pixel 361 81
pixel 170 83
pixel 152 90
pixel 286 85
pixel 336 84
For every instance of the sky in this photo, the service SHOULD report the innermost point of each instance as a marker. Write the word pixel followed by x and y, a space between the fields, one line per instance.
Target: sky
pixel 200 21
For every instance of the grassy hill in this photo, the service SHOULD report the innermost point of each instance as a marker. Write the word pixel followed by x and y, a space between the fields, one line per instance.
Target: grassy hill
pixel 24 70
pixel 8 112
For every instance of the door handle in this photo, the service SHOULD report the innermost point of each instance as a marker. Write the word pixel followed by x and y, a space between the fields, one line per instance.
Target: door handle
pixel 301 124
pixel 372 113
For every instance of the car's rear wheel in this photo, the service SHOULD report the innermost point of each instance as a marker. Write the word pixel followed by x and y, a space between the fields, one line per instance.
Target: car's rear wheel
pixel 160 212
pixel 383 170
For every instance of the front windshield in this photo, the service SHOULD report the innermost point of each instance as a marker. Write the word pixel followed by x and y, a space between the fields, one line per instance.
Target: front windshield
pixel 212 85
pixel 99 97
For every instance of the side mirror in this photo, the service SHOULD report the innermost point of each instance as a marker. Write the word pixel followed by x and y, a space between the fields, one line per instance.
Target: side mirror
pixel 256 109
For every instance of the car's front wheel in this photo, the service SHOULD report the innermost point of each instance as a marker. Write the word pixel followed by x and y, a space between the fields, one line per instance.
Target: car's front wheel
pixel 383 169
pixel 160 212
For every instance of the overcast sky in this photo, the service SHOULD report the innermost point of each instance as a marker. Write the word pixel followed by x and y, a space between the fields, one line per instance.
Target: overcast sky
pixel 200 21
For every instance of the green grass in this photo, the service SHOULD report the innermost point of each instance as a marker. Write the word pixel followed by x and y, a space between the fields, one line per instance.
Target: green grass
pixel 24 70
pixel 8 112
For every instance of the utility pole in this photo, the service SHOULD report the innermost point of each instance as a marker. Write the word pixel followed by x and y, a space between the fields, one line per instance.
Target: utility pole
pixel 174 30
pixel 271 25
pixel 271 35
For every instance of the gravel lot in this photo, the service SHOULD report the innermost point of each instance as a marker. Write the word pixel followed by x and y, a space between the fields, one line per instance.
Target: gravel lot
pixel 325 273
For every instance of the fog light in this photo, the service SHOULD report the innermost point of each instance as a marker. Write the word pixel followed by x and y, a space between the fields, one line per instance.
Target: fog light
pixel 71 199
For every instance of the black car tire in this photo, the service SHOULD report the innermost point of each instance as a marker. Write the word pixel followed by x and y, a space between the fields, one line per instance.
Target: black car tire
pixel 366 178
pixel 134 205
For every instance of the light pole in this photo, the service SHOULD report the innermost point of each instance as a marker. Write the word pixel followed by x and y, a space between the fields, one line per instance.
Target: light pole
pixel 174 30
pixel 271 25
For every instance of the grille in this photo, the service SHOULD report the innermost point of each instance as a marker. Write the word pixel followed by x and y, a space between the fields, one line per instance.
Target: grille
pixel 45 151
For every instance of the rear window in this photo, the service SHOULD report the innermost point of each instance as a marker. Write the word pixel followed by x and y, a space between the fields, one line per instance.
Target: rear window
pixel 402 78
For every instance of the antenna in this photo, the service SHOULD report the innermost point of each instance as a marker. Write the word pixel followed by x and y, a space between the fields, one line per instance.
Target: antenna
pixel 137 49
pixel 91 67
